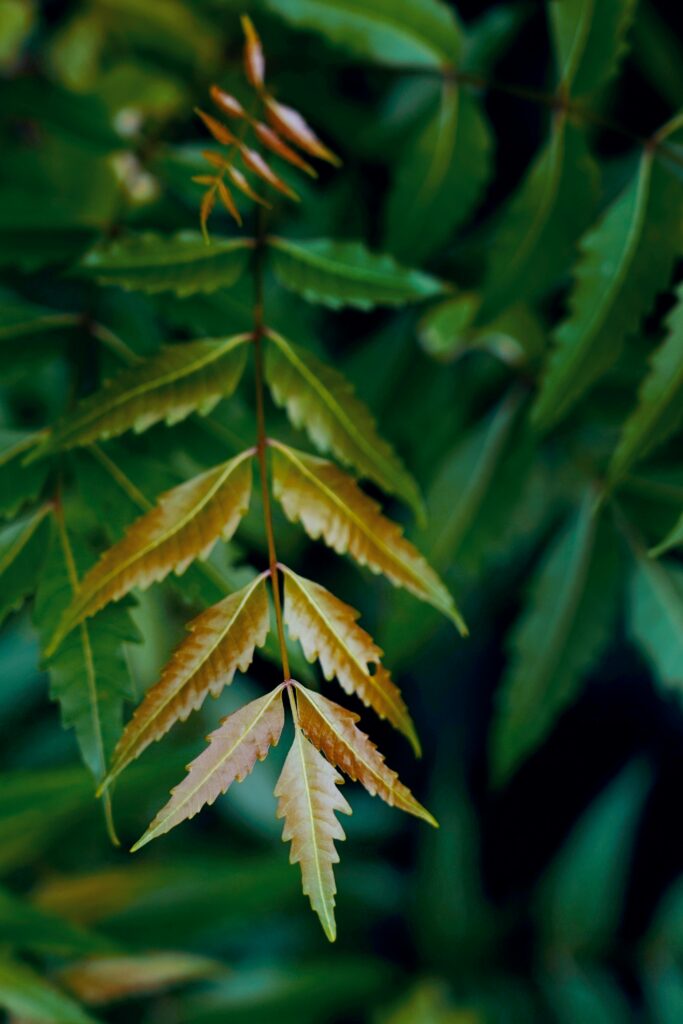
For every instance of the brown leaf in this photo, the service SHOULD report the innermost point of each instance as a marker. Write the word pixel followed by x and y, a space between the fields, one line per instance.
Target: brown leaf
pixel 220 132
pixel 222 639
pixel 227 103
pixel 255 162
pixel 240 182
pixel 291 124
pixel 208 202
pixel 254 61
pixel 243 738
pixel 228 201
pixel 333 730
pixel 204 179
pixel 216 159
pixel 328 631
pixel 274 143
pixel 182 526
pixel 104 979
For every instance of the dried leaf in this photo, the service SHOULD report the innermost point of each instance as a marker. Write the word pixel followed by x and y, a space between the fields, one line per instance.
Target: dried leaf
pixel 240 182
pixel 330 504
pixel 207 205
pixel 255 162
pixel 179 380
pixel 227 103
pixel 222 639
pixel 204 179
pixel 243 738
pixel 254 61
pixel 327 631
pixel 333 730
pixel 291 124
pixel 220 132
pixel 307 799
pixel 183 525
pixel 228 201
pixel 272 141
pixel 320 399
pixel 103 979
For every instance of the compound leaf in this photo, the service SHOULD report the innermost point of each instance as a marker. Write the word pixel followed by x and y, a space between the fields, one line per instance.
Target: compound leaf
pixel 320 399
pixel 222 639
pixel 307 800
pixel 243 738
pixel 329 504
pixel 333 730
pixel 328 632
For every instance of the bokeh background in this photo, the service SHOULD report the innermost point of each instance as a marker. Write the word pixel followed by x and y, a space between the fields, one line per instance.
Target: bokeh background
pixel 551 898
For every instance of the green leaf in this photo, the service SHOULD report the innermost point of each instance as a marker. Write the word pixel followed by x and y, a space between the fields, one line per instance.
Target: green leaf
pixel 589 40
pixel 89 674
pixel 535 238
pixel 26 995
pixel 674 539
pixel 559 636
pixel 19 484
pixel 422 32
pixel 338 274
pixel 26 927
pixel 660 401
pixel 179 380
pixel 656 615
pixel 16 22
pixel 441 176
pixel 627 258
pixel 320 399
pixel 181 263
pixel 22 554
pixel 18 318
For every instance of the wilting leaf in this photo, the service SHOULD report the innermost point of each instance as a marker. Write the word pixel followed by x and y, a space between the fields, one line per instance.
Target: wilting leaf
pixel 22 554
pixel 329 504
pixel 338 274
pixel 105 979
pixel 307 800
pixel 243 738
pixel 328 632
pixel 222 639
pixel 626 260
pixel 660 401
pixel 321 400
pixel 563 630
pixel 28 997
pixel 589 41
pixel 440 177
pixel 293 126
pixel 182 263
pixel 183 525
pixel 333 730
pixel 179 380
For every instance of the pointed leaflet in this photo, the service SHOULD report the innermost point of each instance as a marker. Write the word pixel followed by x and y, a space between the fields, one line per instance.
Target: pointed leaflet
pixel 656 615
pixel 22 554
pixel 660 401
pixel 673 539
pixel 182 263
pixel 89 674
pixel 293 126
pixel 243 738
pixel 536 235
pixel 327 630
pixel 333 730
pixel 589 41
pixel 26 995
pixel 329 504
pixel 559 636
pixel 222 639
pixel 169 386
pixel 183 525
pixel 440 176
pixel 322 401
pixel 307 799
pixel 19 483
pixel 338 274
pixel 626 260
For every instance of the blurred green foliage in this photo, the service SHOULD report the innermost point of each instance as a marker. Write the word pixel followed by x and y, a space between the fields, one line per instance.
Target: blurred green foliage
pixel 504 150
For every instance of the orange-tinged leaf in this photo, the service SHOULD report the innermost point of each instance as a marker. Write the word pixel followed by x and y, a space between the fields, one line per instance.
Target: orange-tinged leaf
pixel 243 738
pixel 328 631
pixel 220 132
pixel 208 202
pixel 330 504
pixel 182 526
pixel 222 639
pixel 255 162
pixel 307 800
pixel 240 182
pixel 333 730
pixel 227 103
pixel 204 179
pixel 254 61
pixel 104 979
pixel 216 159
pixel 291 124
pixel 228 201
pixel 272 141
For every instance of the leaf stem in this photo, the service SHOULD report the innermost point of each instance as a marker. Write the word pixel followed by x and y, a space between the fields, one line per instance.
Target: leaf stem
pixel 261 440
